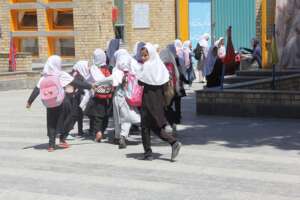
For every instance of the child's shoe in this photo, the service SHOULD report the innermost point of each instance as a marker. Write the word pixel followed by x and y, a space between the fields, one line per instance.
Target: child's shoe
pixel 63 144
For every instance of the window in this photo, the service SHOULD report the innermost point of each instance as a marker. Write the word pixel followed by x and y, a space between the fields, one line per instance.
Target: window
pixel 119 25
pixel 24 20
pixel 60 19
pixel 64 47
pixel 29 45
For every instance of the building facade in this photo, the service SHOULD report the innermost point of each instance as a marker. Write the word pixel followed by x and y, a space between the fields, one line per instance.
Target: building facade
pixel 74 28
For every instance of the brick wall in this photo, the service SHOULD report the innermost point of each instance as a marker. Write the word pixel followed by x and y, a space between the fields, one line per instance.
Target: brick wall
pixel 5 26
pixel 23 60
pixel 92 26
pixel 162 23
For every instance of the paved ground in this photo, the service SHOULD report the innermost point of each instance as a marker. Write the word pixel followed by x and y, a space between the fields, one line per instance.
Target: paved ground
pixel 222 159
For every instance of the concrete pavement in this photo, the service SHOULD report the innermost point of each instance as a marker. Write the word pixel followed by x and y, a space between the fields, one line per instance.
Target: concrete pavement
pixel 221 159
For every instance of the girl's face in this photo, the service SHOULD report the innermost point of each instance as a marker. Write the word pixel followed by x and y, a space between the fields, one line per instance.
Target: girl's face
pixel 145 55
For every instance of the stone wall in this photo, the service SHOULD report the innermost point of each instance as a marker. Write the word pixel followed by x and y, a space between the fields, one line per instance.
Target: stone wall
pixel 18 80
pixel 249 103
pixel 285 83
pixel 253 99
pixel 23 60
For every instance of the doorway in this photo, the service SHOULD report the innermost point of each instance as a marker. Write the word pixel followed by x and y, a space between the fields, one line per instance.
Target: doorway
pixel 199 19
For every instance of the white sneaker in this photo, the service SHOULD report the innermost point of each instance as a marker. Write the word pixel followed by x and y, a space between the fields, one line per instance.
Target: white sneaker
pixel 70 137
pixel 168 129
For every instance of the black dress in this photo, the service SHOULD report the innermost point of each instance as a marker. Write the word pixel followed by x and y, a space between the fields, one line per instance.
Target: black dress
pixel 214 79
pixel 152 112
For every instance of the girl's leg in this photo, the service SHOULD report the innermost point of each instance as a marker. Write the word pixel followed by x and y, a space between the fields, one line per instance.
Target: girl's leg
pixel 52 120
pixel 125 128
pixel 162 134
pixel 80 121
pixel 146 138
pixel 98 128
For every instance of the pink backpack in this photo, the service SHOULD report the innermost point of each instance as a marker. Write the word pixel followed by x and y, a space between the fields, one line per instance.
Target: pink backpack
pixel 51 91
pixel 133 91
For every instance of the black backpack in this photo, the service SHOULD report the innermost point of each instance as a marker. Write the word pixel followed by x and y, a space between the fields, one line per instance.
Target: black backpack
pixel 198 51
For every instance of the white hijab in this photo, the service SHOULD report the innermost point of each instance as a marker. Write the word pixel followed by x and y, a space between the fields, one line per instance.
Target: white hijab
pixel 82 67
pixel 186 46
pixel 99 59
pixel 154 72
pixel 124 62
pixel 203 42
pixel 53 68
pixel 221 49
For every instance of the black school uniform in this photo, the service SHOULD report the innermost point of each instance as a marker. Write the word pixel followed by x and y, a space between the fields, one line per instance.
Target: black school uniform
pixel 56 117
pixel 99 109
pixel 153 116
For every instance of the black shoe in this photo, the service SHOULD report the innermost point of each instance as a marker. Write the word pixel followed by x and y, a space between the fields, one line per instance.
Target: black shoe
pixel 175 150
pixel 122 143
pixel 147 158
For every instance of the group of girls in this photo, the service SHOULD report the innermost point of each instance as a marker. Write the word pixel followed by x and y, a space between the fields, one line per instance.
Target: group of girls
pixel 100 90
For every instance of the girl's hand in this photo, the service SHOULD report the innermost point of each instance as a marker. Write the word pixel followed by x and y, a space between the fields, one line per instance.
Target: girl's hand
pixel 28 105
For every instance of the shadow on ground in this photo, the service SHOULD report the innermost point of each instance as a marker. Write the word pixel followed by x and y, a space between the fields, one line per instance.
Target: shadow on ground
pixel 234 132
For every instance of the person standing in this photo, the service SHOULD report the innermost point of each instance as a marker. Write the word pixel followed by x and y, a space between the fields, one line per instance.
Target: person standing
pixel 153 77
pixel 200 53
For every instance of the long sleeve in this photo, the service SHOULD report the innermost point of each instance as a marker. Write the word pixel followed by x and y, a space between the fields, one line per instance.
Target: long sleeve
pixel 85 99
pixel 81 84
pixel 35 92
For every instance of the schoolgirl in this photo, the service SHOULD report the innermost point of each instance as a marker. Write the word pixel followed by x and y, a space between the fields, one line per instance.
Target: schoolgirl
pixel 153 77
pixel 125 115
pixel 55 110
pixel 99 106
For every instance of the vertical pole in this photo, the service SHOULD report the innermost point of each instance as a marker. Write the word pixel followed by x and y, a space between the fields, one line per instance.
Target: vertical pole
pixel 264 33
pixel 183 6
pixel 273 62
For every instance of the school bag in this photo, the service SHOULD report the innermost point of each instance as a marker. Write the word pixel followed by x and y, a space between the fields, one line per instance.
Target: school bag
pixel 169 88
pixel 133 91
pixel 104 91
pixel 198 52
pixel 51 91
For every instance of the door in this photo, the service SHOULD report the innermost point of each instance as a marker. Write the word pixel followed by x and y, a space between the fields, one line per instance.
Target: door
pixel 199 19
pixel 240 14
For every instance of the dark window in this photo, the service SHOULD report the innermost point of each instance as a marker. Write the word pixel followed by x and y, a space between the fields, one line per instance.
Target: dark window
pixel 63 19
pixel 28 19
pixel 65 47
pixel 30 45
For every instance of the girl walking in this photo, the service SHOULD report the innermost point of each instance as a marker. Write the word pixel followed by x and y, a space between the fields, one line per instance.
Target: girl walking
pixel 153 77
pixel 99 107
pixel 52 86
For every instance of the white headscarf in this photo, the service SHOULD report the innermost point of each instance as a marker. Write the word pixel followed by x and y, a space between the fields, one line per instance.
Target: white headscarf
pixel 203 42
pixel 154 72
pixel 124 62
pixel 82 67
pixel 187 51
pixel 99 58
pixel 186 45
pixel 221 49
pixel 53 68
pixel 178 45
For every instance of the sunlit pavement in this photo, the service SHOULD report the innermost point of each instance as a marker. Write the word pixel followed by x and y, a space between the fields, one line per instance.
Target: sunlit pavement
pixel 221 158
